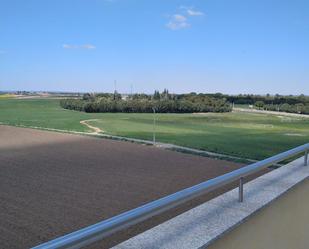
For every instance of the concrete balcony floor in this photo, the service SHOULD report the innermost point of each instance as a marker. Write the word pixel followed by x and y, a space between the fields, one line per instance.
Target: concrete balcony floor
pixel 282 225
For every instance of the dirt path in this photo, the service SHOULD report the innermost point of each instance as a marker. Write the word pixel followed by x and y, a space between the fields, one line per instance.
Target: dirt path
pixel 96 130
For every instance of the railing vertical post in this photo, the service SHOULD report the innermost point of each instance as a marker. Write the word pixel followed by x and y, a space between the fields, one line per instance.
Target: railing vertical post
pixel 306 158
pixel 241 190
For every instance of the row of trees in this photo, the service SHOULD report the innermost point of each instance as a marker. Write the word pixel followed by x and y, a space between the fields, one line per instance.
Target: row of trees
pixel 282 103
pixel 251 99
pixel 268 99
pixel 142 103
pixel 165 102
pixel 292 108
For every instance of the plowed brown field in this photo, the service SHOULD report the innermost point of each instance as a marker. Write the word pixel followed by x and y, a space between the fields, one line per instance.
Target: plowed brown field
pixel 52 183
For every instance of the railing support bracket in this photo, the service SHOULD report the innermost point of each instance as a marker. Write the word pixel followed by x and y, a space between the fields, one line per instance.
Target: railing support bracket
pixel 241 190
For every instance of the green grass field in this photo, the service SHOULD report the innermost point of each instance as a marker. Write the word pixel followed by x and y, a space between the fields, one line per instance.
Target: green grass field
pixel 247 135
pixel 7 96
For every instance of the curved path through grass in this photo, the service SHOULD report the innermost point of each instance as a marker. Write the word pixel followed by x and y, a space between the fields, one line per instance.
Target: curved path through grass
pixel 96 130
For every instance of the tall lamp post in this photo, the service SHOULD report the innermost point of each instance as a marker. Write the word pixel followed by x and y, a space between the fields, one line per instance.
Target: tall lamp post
pixel 154 126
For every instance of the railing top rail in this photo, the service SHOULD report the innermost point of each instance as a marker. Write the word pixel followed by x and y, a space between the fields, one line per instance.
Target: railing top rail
pixel 104 228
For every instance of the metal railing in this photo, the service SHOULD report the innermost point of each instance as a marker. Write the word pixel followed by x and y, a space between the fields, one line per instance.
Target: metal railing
pixel 96 232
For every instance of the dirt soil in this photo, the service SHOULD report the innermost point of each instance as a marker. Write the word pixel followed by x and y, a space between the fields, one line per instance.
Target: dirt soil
pixel 52 184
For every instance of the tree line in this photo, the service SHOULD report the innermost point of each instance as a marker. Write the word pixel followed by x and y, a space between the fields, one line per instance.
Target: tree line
pixel 268 99
pixel 292 108
pixel 290 103
pixel 144 103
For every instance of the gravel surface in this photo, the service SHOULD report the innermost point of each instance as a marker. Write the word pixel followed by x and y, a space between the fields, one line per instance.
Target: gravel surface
pixel 52 183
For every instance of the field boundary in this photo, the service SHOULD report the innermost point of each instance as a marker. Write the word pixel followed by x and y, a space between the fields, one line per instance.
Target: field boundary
pixel 166 146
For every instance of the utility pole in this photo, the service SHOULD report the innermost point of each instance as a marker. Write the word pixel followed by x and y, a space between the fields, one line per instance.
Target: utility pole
pixel 154 126
pixel 115 89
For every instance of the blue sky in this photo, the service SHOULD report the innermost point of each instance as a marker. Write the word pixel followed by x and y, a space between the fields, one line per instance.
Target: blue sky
pixel 248 46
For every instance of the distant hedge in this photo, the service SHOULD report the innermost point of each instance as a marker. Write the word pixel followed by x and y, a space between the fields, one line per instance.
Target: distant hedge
pixel 299 108
pixel 282 103
pixel 141 103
